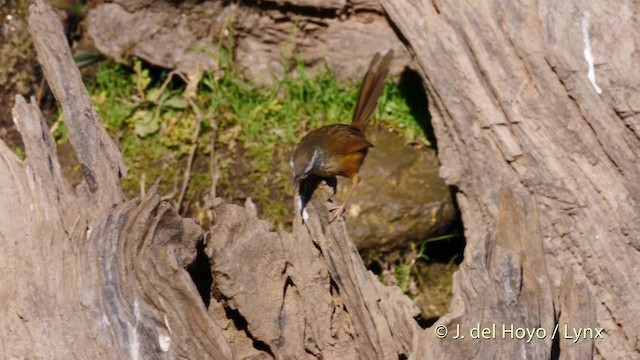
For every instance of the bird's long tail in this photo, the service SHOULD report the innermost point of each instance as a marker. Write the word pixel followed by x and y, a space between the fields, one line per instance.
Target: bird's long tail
pixel 372 86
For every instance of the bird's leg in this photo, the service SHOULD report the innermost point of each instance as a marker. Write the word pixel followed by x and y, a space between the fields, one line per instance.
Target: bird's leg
pixel 340 209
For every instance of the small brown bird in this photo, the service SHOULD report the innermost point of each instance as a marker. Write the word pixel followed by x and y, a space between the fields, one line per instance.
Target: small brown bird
pixel 340 149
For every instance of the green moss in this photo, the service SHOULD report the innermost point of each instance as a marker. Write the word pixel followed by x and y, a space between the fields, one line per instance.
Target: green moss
pixel 257 127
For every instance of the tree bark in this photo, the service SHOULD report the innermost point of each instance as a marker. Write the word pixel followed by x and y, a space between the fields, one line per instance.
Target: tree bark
pixel 85 273
pixel 541 97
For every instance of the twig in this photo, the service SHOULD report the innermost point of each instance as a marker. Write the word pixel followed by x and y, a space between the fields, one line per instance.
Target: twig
pixel 54 127
pixel 143 179
pixel 213 163
pixel 41 92
pixel 213 169
pixel 164 85
pixel 192 154
pixel 167 81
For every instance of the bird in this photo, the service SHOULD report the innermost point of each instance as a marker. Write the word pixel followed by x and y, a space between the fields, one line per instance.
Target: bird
pixel 340 149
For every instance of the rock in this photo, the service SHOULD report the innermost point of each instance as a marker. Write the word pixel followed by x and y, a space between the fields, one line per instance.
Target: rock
pixel 267 37
pixel 349 46
pixel 267 40
pixel 171 36
pixel 400 199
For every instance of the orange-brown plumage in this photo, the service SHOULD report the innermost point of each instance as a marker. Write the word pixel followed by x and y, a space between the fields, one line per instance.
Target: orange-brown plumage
pixel 340 149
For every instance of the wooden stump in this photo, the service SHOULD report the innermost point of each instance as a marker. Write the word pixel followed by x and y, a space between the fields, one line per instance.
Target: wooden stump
pixel 543 97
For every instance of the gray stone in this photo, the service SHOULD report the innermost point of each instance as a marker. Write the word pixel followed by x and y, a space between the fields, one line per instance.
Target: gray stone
pixel 400 198
pixel 175 37
pixel 184 35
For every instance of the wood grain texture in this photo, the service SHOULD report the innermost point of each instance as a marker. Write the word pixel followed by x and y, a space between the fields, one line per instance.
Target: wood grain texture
pixel 87 274
pixel 513 103
pixel 100 160
pixel 306 294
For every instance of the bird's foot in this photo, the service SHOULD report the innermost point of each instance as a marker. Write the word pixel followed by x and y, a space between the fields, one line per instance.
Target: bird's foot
pixel 339 211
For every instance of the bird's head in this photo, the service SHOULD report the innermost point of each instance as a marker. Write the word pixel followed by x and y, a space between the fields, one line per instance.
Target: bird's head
pixel 304 162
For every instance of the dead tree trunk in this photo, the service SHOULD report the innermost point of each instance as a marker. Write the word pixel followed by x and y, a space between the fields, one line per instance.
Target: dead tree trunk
pixel 543 97
pixel 86 274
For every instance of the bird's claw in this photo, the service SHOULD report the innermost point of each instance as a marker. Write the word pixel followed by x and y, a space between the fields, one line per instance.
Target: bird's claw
pixel 339 211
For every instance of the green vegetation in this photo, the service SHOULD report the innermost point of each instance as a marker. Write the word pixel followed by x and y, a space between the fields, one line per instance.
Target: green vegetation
pixel 257 127
pixel 426 279
pixel 404 270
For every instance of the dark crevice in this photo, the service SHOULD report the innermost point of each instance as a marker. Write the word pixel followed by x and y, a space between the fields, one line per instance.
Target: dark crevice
pixel 435 7
pixel 375 267
pixel 282 316
pixel 458 243
pixel 287 284
pixel 241 324
pixel 450 250
pixel 200 271
pixel 425 322
pixel 317 246
pixel 334 287
pixel 402 357
pixel 412 88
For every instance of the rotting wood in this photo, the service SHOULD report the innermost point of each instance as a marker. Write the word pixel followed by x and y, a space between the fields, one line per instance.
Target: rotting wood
pixel 503 287
pixel 517 98
pixel 87 274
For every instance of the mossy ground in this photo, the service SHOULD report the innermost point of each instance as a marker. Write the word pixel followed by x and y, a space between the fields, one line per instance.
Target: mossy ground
pixel 152 119
pixel 256 129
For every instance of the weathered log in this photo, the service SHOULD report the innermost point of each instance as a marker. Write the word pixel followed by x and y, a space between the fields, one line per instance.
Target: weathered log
pixel 517 98
pixel 86 274
pixel 502 286
pixel 306 294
